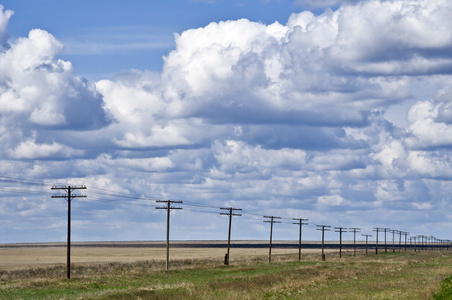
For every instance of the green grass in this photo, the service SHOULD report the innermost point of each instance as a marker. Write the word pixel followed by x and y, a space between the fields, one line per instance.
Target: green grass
pixel 446 290
pixel 421 275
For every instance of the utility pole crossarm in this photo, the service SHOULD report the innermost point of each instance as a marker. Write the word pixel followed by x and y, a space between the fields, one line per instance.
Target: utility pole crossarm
pixel 230 209
pixel 272 219
pixel 68 189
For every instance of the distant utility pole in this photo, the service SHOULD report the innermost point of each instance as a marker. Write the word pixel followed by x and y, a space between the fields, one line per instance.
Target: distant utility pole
pixel 393 231
pixel 386 230
pixel 400 240
pixel 272 220
pixel 354 230
pixel 376 229
pixel 340 230
pixel 421 240
pixel 367 237
pixel 432 242
pixel 68 196
pixel 168 208
pixel 406 233
pixel 415 250
pixel 300 223
pixel 323 228
pixel 230 214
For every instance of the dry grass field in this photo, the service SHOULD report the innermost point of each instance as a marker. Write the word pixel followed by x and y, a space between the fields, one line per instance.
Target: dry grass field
pixel 22 256
pixel 136 271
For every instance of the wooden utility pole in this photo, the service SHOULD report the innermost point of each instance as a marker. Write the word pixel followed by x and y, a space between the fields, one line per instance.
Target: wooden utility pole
pixel 367 236
pixel 323 228
pixel 300 223
pixel 340 230
pixel 230 214
pixel 393 247
pixel 354 230
pixel 272 220
pixel 421 242
pixel 68 196
pixel 386 230
pixel 168 208
pixel 376 229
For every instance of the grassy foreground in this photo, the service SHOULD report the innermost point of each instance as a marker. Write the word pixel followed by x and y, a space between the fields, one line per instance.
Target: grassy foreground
pixel 384 276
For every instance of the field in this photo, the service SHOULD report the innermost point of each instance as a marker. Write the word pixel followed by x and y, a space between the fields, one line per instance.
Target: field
pixel 137 271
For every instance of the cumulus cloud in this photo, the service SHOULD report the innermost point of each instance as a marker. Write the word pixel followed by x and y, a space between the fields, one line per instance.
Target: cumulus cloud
pixel 45 89
pixel 289 117
pixel 298 104
pixel 41 93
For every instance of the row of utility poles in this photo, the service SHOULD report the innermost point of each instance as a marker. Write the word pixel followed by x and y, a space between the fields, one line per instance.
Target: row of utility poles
pixel 394 232
pixel 231 212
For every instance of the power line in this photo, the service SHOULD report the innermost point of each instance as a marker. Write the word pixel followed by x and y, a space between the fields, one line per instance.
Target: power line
pixel 24 181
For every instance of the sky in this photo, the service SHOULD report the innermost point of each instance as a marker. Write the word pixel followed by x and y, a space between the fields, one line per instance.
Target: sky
pixel 334 111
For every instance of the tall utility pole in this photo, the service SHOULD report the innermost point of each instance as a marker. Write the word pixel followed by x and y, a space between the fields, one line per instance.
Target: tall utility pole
pixel 323 228
pixel 400 239
pixel 272 220
pixel 376 244
pixel 386 230
pixel 300 223
pixel 367 237
pixel 168 208
pixel 68 196
pixel 340 230
pixel 230 214
pixel 354 230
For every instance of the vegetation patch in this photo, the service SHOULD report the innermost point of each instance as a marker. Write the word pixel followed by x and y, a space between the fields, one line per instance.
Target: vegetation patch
pixel 405 275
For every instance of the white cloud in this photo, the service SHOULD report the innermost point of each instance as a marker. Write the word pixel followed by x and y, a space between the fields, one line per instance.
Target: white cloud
pixel 333 200
pixel 29 149
pixel 426 127
pixel 284 117
pixel 39 92
pixel 234 156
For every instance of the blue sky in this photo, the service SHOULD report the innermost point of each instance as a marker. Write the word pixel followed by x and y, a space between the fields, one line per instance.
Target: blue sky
pixel 335 111
pixel 104 37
